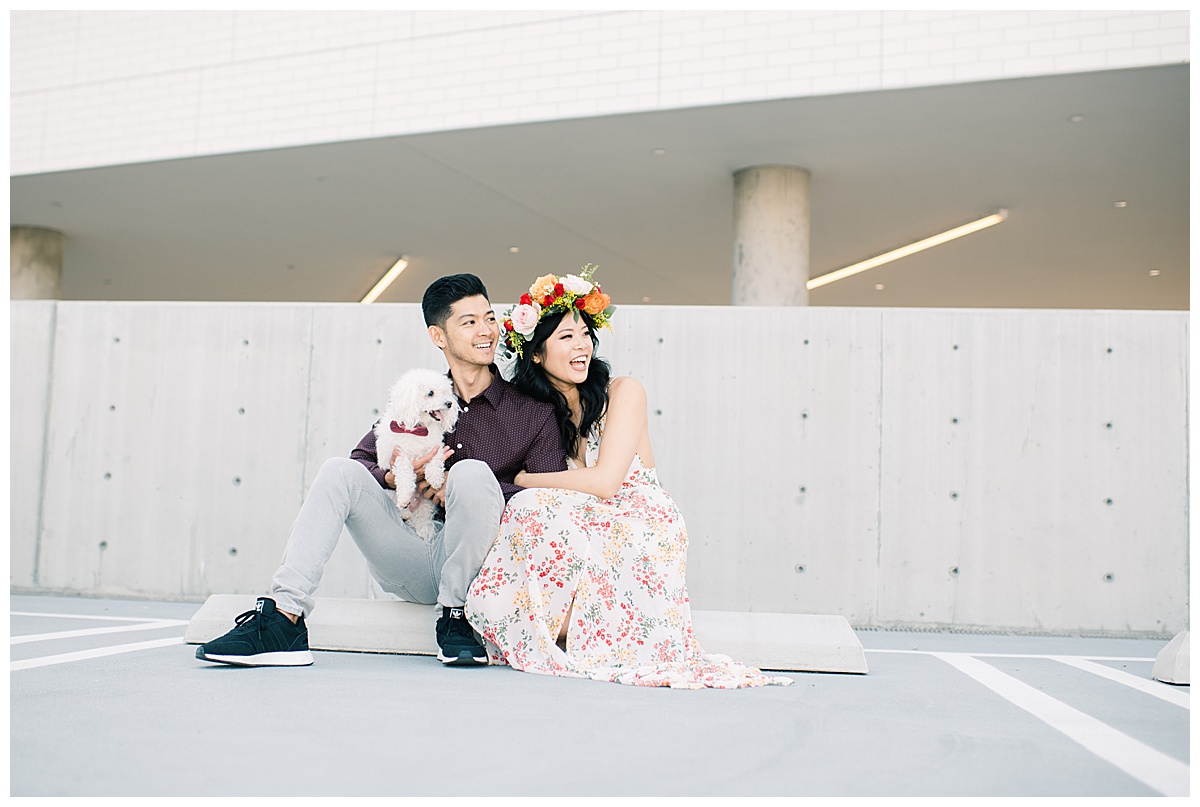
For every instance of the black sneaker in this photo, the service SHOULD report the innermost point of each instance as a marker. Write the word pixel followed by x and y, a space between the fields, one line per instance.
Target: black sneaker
pixel 263 638
pixel 459 645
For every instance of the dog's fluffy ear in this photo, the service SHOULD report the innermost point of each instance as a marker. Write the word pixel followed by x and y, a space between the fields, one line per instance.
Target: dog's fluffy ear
pixel 452 416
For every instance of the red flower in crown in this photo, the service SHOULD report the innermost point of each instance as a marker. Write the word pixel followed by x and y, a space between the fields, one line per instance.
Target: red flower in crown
pixel 508 326
pixel 580 302
pixel 547 301
pixel 559 291
pixel 526 299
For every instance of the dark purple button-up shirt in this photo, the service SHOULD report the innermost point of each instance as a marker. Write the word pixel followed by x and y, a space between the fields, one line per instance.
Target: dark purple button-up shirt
pixel 504 428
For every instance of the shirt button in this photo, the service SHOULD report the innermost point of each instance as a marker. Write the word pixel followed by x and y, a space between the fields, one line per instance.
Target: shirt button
pixel 460 445
pixel 466 409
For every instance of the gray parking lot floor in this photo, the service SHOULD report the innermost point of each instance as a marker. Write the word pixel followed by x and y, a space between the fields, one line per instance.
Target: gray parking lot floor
pixel 106 700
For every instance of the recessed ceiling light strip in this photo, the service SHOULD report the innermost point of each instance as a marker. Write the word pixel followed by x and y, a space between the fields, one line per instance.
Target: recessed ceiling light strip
pixel 385 281
pixel 917 246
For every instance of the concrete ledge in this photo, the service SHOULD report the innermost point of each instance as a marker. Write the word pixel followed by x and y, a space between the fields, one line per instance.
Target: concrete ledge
pixel 791 642
pixel 365 626
pixel 1173 664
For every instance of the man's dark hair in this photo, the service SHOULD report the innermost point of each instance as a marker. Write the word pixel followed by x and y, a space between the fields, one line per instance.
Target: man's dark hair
pixel 445 292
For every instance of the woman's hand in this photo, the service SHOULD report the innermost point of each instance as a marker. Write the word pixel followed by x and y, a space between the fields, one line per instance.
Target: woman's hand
pixel 520 479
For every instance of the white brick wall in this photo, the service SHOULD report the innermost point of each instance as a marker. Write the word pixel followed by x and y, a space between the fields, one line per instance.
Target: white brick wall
pixel 98 88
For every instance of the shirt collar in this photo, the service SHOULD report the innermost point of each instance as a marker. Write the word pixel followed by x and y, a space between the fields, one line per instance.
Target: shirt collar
pixel 494 393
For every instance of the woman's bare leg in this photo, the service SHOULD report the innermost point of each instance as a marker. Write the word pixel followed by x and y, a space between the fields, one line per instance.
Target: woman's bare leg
pixel 562 632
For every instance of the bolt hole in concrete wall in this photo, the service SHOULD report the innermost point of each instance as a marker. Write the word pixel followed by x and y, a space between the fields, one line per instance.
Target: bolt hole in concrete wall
pixel 296 384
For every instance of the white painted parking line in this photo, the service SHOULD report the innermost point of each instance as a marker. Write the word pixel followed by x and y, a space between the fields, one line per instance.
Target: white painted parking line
pixel 98 652
pixel 80 616
pixel 71 634
pixel 1148 685
pixel 1008 655
pixel 1164 774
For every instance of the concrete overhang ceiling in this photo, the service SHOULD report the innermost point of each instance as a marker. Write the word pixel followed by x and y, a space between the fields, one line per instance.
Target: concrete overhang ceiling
pixel 324 222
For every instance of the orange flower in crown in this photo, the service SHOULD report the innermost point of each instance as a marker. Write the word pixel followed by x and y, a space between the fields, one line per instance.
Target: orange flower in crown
pixel 596 303
pixel 551 293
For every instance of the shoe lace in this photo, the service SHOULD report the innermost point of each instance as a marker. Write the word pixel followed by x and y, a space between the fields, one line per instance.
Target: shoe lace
pixel 242 619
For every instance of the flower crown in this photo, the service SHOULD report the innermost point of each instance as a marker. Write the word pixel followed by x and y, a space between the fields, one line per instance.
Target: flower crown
pixel 549 294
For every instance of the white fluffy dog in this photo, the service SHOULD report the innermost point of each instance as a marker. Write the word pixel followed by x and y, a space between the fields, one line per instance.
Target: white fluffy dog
pixel 422 407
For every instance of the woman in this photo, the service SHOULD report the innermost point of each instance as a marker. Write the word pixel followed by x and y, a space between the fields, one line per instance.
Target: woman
pixel 586 578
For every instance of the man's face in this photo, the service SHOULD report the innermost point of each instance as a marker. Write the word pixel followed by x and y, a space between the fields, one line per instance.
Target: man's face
pixel 470 334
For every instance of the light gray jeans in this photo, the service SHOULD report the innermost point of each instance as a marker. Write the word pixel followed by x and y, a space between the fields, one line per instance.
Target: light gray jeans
pixel 345 493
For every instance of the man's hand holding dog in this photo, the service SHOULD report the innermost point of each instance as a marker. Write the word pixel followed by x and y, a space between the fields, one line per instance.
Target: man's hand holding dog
pixel 438 496
pixel 423 487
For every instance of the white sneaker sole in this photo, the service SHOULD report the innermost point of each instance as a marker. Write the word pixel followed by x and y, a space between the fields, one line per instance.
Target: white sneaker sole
pixel 462 661
pixel 291 658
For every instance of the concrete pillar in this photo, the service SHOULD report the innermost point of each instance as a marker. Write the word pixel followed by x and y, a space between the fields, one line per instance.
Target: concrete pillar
pixel 770 235
pixel 35 263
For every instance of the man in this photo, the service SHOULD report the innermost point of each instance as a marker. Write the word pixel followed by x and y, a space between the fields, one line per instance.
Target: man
pixel 499 433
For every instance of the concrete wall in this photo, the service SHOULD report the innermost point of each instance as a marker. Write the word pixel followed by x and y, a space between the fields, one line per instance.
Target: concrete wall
pixel 93 88
pixel 1006 469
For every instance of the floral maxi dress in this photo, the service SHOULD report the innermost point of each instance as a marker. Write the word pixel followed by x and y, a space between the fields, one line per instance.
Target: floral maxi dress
pixel 622 562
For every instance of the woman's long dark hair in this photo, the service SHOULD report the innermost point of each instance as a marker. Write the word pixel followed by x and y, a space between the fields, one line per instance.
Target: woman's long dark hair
pixel 530 378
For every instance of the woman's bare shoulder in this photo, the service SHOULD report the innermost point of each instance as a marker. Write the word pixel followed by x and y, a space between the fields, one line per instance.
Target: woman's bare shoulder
pixel 627 385
pixel 626 394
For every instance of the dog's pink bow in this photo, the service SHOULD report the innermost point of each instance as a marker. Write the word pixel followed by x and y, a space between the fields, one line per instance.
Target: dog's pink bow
pixel 420 431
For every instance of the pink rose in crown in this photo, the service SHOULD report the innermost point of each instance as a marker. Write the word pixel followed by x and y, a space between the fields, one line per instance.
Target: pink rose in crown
pixel 524 319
